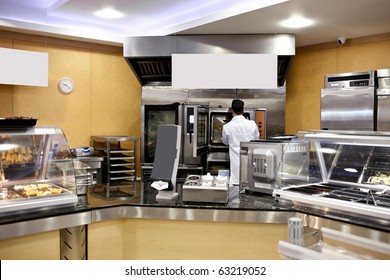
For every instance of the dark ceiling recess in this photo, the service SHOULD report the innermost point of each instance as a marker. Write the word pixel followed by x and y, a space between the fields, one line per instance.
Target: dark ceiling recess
pixel 284 64
pixel 152 69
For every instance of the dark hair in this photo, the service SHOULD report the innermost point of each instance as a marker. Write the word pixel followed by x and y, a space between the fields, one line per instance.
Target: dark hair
pixel 238 106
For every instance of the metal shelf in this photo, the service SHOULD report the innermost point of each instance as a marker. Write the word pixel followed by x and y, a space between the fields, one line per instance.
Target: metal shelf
pixel 119 163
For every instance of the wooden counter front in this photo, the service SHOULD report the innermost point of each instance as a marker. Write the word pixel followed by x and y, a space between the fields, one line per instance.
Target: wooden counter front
pixel 40 246
pixel 133 239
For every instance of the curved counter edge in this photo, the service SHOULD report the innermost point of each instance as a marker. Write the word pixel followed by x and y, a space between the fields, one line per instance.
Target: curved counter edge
pixel 19 229
pixel 189 214
pixel 23 228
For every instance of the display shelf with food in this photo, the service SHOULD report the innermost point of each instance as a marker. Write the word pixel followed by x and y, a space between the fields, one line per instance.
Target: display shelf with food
pixel 347 173
pixel 29 177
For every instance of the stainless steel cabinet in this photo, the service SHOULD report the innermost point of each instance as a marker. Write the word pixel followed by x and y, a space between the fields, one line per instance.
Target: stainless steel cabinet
pixel 383 123
pixel 118 180
pixel 348 101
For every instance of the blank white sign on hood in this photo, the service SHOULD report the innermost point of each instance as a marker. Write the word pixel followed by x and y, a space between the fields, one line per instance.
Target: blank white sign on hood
pixel 245 71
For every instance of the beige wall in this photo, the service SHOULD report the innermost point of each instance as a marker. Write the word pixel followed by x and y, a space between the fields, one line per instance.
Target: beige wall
pixel 107 96
pixel 306 76
pixel 106 99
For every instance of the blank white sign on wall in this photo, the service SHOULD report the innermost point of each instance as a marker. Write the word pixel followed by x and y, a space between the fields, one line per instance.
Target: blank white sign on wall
pixel 224 71
pixel 20 67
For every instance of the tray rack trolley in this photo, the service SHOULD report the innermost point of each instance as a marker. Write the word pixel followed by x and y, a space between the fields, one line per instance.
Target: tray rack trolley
pixel 119 166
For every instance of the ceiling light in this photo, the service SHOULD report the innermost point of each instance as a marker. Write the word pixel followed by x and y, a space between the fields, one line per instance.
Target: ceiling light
pixel 109 13
pixel 297 22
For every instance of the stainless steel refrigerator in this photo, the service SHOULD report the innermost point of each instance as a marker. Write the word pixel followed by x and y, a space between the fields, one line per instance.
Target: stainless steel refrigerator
pixel 348 101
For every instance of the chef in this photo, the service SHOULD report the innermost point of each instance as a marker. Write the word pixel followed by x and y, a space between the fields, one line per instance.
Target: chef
pixel 238 130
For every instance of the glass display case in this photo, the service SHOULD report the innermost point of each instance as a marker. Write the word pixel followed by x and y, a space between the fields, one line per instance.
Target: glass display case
pixel 343 171
pixel 30 173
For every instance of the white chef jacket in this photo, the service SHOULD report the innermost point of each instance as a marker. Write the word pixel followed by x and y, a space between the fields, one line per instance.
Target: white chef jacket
pixel 238 130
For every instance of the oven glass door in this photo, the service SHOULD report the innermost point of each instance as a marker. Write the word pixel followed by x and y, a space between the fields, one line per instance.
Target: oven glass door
pixel 217 121
pixel 195 133
pixel 154 115
pixel 202 128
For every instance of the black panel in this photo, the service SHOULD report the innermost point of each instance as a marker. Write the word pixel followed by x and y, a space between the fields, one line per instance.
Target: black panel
pixel 166 152
pixel 349 78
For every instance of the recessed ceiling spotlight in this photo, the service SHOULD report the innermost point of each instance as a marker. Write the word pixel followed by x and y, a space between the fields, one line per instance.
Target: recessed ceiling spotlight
pixel 297 22
pixel 109 13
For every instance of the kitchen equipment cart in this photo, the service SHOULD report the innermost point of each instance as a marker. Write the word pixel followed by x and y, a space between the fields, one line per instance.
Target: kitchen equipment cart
pixel 119 166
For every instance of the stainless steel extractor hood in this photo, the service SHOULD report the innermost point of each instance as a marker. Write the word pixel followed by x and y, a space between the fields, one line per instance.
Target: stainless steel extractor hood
pixel 150 57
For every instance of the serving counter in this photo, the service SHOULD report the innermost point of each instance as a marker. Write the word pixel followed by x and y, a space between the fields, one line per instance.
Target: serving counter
pixel 139 226
pixel 143 228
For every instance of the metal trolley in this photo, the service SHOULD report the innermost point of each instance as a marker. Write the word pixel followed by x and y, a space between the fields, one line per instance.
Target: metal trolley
pixel 119 168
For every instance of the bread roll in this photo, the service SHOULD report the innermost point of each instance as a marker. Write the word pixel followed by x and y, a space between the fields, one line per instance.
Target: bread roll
pixel 28 158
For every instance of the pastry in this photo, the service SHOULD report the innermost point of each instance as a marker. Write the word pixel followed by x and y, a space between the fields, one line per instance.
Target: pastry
pixel 28 158
pixel 56 191
pixel 31 192
pixel 43 186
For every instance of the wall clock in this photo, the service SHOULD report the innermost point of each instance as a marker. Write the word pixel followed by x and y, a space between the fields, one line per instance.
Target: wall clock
pixel 65 85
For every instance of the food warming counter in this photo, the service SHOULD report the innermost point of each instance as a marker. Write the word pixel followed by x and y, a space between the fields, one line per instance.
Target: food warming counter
pixel 345 172
pixel 258 217
pixel 143 209
pixel 30 176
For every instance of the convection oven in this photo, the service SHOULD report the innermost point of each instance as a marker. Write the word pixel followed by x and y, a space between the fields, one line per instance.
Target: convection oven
pixel 152 117
pixel 193 118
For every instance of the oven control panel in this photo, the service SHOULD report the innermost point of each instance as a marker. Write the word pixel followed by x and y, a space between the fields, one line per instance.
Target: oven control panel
pixel 261 122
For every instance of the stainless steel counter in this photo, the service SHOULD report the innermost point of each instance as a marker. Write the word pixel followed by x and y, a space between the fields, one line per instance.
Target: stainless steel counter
pixel 251 208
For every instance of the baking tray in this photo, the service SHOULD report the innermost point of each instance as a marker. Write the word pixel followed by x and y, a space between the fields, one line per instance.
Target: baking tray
pixel 18 189
pixel 17 123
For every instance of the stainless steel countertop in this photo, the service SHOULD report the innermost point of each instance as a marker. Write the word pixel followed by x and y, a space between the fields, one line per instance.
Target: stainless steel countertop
pixel 251 208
